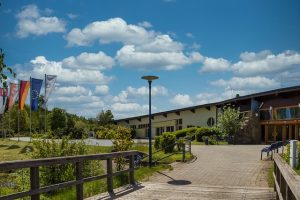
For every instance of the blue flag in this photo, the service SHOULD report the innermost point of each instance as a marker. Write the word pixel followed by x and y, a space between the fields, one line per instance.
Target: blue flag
pixel 35 89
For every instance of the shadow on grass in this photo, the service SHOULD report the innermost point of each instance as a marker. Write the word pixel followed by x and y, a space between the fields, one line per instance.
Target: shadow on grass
pixel 3 145
pixel 13 146
pixel 26 149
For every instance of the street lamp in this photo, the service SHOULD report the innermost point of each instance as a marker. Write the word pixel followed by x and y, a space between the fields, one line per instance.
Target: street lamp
pixel 150 79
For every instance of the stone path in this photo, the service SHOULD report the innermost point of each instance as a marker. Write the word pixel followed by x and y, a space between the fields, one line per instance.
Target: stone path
pixel 217 172
pixel 221 165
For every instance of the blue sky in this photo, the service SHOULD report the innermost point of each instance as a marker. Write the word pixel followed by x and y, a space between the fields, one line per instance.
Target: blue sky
pixel 203 51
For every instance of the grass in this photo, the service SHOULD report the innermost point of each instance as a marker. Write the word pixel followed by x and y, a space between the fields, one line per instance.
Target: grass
pixel 14 150
pixel 270 178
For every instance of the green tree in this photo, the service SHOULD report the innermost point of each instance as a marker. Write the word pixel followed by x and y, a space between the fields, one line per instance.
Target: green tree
pixel 4 69
pixel 58 119
pixel 230 121
pixel 105 118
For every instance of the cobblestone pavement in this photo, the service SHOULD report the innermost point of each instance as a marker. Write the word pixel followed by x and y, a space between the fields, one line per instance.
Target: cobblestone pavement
pixel 221 165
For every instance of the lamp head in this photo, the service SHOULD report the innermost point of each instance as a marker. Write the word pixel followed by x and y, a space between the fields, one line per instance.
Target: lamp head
pixel 149 78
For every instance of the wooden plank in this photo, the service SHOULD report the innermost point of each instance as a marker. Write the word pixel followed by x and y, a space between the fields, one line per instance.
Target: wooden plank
pixel 296 132
pixel 34 181
pixel 291 178
pixel 266 134
pixel 79 187
pixel 277 190
pixel 131 172
pixel 9 165
pixel 109 175
pixel 290 132
pixel 284 133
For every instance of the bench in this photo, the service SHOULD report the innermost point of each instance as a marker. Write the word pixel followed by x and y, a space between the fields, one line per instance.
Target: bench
pixel 271 148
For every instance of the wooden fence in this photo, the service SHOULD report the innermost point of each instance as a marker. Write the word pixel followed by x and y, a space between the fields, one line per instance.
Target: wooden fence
pixel 287 182
pixel 78 161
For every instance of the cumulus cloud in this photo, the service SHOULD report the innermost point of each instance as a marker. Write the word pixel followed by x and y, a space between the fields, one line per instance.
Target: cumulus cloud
pixel 101 89
pixel 265 62
pixel 145 24
pixel 30 21
pixel 40 66
pixel 215 65
pixel 91 61
pixel 72 91
pixel 72 16
pixel 239 83
pixel 144 91
pixel 112 30
pixel 190 35
pixel 128 56
pixel 142 48
pixel 182 100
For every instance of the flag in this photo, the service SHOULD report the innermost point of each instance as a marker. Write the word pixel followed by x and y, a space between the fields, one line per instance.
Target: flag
pixel 36 85
pixel 24 87
pixel 3 94
pixel 49 82
pixel 13 95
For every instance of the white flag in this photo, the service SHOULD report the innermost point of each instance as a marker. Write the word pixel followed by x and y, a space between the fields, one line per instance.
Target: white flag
pixel 49 81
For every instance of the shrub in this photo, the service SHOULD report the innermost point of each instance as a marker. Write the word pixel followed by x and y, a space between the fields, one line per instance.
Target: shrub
pixel 185 132
pixel 157 142
pixel 168 142
pixel 203 131
pixel 45 148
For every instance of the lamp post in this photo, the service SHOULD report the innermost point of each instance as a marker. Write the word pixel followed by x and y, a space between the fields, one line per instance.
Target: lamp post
pixel 150 79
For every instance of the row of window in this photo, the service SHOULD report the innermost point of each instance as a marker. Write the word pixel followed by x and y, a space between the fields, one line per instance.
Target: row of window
pixel 280 113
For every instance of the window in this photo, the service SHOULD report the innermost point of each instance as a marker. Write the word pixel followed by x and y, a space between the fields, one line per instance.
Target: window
pixel 133 126
pixel 189 126
pixel 265 115
pixel 170 128
pixel 160 130
pixel 210 121
pixel 178 121
pixel 288 113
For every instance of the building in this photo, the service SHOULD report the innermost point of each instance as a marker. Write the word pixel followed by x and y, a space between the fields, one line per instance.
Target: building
pixel 271 116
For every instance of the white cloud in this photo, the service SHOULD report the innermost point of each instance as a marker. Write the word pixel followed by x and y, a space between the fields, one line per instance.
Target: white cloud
pixel 206 97
pixel 112 30
pixel 265 62
pixel 240 83
pixel 145 24
pixel 101 89
pixel 40 66
pixel 72 16
pixel 182 100
pixel 30 21
pixel 122 110
pixel 215 65
pixel 121 97
pixel 144 91
pixel 72 91
pixel 128 56
pixel 91 61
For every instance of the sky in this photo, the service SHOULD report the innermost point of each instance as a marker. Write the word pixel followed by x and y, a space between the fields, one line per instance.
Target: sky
pixel 202 50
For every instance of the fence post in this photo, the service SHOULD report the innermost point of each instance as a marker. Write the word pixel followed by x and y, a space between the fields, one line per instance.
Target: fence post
pixel 34 181
pixel 183 152
pixel 109 175
pixel 131 168
pixel 293 153
pixel 79 187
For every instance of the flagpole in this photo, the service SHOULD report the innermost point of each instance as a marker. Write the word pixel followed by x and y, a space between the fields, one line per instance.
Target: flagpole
pixel 45 106
pixel 19 85
pixel 30 107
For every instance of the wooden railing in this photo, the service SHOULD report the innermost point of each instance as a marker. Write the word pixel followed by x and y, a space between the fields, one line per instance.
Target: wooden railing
pixel 78 161
pixel 287 182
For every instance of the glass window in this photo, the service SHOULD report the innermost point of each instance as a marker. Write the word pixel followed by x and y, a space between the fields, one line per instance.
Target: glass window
pixel 265 115
pixel 295 112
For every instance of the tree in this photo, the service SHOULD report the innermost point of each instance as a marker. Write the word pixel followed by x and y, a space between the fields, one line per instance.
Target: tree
pixel 58 119
pixel 230 121
pixel 105 118
pixel 3 68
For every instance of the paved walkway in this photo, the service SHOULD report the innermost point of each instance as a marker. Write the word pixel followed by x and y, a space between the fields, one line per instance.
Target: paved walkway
pixel 217 172
pixel 221 165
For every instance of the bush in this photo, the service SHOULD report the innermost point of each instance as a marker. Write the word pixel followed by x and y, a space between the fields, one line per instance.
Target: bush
pixel 185 132
pixel 45 148
pixel 157 142
pixel 168 142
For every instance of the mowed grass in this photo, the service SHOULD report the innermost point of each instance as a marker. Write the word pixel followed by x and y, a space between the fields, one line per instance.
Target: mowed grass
pixel 14 150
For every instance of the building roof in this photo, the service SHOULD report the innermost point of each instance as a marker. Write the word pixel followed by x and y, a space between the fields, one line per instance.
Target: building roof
pixel 240 98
